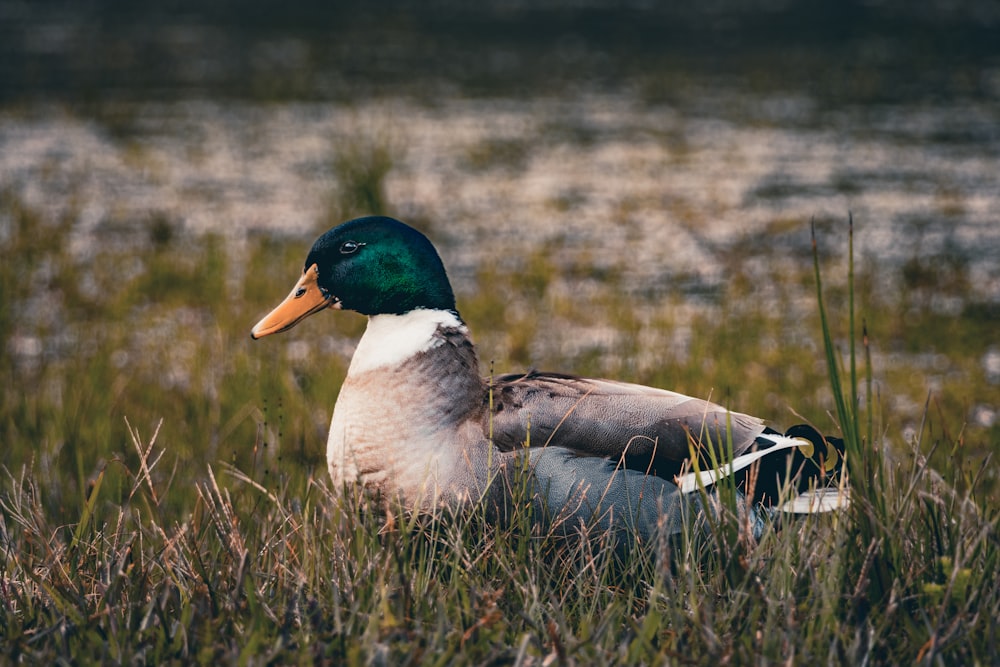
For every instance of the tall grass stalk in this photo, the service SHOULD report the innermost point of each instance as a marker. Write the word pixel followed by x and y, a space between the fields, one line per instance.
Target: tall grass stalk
pixel 899 520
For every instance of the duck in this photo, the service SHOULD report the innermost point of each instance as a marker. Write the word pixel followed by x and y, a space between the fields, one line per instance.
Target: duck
pixel 415 419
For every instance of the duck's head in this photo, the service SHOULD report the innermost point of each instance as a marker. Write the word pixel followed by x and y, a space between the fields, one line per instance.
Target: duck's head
pixel 373 265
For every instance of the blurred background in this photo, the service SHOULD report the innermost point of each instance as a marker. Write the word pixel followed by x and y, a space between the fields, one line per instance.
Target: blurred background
pixel 617 188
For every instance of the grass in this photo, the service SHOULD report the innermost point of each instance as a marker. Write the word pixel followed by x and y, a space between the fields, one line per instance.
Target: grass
pixel 204 529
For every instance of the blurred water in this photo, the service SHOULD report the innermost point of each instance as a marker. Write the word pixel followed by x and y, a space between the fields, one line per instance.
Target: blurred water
pixel 654 139
pixel 661 191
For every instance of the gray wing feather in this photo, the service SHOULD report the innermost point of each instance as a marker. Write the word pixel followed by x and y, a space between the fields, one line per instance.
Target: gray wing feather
pixel 612 419
pixel 572 494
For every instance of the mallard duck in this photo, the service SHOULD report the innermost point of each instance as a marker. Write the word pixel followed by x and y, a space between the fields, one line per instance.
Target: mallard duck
pixel 416 420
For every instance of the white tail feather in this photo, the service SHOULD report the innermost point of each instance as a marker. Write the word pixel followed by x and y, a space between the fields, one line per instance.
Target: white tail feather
pixel 693 481
pixel 826 499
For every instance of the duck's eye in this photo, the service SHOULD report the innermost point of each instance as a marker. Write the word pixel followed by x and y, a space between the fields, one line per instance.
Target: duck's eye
pixel 350 247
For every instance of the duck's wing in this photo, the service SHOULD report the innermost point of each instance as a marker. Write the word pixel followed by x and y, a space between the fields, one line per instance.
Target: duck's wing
pixel 644 426
pixel 573 494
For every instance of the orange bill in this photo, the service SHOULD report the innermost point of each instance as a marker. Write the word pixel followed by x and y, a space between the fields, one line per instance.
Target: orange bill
pixel 305 299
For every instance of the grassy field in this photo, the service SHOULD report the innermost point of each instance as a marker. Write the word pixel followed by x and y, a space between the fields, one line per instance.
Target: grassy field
pixel 164 497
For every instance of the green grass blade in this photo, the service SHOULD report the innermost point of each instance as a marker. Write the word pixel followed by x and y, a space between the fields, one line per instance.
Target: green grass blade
pixel 88 512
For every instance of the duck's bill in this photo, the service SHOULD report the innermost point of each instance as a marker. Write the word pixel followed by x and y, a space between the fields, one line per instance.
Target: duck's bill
pixel 305 299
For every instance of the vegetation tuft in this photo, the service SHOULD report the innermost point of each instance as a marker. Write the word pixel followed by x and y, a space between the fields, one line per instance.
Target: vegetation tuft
pixel 164 497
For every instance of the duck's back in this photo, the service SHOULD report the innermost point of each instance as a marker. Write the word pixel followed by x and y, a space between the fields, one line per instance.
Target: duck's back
pixel 652 429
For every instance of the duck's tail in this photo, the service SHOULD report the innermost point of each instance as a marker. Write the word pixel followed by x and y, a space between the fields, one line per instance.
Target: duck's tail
pixel 802 466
